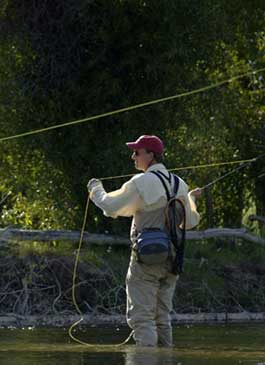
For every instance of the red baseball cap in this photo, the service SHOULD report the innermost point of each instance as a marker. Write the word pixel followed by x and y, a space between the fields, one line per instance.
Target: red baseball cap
pixel 151 143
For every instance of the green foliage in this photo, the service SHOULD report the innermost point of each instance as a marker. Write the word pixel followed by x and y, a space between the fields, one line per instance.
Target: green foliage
pixel 66 60
pixel 40 196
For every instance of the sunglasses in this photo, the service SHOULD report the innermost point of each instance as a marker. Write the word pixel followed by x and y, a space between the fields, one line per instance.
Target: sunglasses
pixel 137 153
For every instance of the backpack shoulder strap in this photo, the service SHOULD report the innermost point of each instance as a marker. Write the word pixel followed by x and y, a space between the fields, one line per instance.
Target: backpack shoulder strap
pixel 168 178
pixel 178 242
pixel 176 185
pixel 163 183
pixel 176 182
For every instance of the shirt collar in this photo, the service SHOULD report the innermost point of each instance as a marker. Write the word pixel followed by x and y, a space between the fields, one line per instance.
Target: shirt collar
pixel 155 167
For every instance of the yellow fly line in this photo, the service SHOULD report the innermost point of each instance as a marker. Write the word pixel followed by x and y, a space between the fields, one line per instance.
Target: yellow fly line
pixel 71 328
pixel 133 107
pixel 191 167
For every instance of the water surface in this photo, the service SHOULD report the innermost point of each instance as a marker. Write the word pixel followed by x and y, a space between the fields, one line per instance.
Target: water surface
pixel 197 344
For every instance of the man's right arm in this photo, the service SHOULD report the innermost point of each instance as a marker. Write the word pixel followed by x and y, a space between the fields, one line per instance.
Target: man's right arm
pixel 122 202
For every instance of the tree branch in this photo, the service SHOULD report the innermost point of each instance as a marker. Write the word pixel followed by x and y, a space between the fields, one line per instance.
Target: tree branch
pixel 256 218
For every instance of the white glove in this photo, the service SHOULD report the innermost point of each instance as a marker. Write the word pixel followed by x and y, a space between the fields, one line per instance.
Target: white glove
pixel 92 184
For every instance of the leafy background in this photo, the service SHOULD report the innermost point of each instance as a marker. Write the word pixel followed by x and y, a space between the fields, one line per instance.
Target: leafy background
pixel 63 60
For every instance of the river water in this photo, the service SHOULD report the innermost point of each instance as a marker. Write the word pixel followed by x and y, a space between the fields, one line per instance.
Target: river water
pixel 193 344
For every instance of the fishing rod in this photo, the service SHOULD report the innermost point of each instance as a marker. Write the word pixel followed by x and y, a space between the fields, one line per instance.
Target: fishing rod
pixel 248 163
pixel 5 197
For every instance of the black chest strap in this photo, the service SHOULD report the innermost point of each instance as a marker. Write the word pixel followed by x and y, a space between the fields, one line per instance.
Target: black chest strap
pixel 159 174
pixel 163 183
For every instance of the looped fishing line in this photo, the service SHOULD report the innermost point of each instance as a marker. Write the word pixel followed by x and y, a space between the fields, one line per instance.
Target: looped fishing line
pixel 70 331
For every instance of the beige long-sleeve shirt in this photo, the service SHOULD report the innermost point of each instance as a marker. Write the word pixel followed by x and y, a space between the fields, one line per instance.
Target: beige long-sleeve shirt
pixel 144 198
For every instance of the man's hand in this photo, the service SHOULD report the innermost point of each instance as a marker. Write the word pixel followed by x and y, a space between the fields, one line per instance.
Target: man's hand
pixel 196 192
pixel 92 184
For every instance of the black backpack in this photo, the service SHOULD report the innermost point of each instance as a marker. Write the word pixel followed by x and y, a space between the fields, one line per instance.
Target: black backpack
pixel 175 216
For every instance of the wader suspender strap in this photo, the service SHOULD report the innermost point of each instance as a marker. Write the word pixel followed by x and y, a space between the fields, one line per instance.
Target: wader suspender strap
pixel 179 246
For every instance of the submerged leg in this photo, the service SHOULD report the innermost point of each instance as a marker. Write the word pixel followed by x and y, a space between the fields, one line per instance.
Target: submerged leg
pixel 164 307
pixel 141 289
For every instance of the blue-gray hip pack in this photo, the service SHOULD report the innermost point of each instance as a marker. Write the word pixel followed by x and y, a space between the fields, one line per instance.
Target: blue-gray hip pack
pixel 154 244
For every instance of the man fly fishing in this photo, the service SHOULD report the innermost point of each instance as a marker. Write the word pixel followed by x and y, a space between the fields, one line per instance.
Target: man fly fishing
pixel 162 208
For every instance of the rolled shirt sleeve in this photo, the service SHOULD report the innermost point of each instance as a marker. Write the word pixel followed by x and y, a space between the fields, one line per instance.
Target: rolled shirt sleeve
pixel 192 216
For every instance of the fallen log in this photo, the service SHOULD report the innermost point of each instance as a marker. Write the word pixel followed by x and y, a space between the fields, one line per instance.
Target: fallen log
pixel 10 234
pixel 225 232
pixel 13 234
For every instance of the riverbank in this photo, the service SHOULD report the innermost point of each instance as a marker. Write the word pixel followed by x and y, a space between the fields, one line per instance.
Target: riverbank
pixel 221 283
pixel 18 321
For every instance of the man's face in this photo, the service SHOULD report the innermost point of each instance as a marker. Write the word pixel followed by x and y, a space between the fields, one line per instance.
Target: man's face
pixel 142 159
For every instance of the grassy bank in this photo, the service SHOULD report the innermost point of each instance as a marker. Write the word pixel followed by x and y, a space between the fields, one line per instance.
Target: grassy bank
pixel 219 276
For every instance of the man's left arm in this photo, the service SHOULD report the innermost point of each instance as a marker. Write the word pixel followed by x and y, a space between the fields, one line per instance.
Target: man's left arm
pixel 189 199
